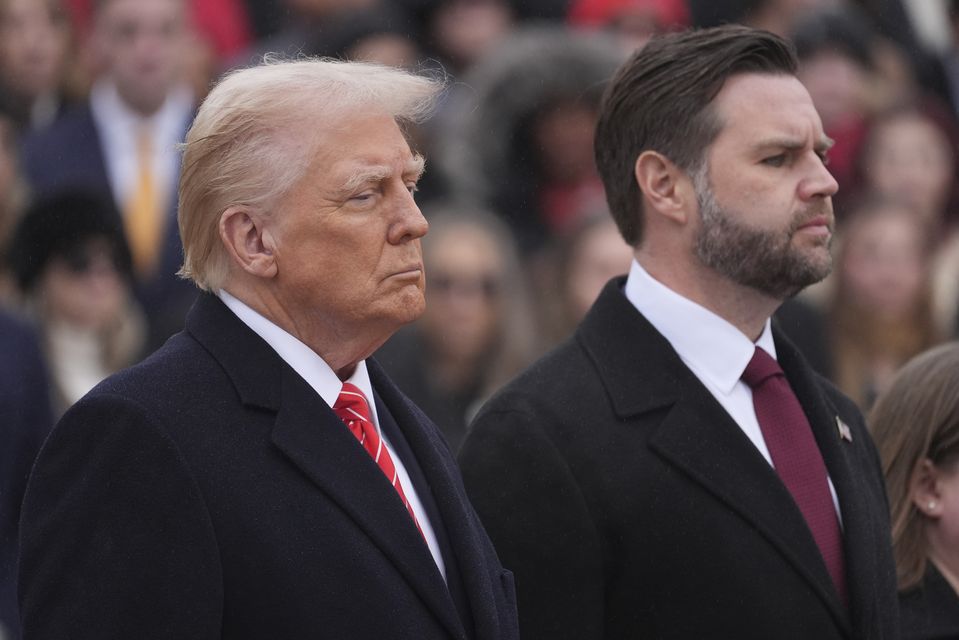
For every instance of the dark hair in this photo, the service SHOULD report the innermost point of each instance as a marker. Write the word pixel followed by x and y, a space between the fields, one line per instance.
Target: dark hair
pixel 56 226
pixel 845 31
pixel 659 100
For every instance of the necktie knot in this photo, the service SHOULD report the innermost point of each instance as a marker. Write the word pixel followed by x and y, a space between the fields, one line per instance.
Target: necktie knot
pixel 761 367
pixel 351 405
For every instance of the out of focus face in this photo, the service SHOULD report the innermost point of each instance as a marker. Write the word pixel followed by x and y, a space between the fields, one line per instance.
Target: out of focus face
pixel 837 86
pixel 84 288
pixel 883 267
pixel 33 43
pixel 346 239
pixel 464 287
pixel 141 45
pixel 601 254
pixel 766 214
pixel 564 140
pixel 910 160
pixel 465 30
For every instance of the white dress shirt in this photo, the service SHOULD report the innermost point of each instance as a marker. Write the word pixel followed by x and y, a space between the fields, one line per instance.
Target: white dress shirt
pixel 324 381
pixel 118 129
pixel 714 350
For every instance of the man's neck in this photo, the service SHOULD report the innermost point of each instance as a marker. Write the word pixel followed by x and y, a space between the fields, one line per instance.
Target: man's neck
pixel 743 307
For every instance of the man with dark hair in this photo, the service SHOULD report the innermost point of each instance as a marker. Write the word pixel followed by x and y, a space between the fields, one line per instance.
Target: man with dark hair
pixel 676 469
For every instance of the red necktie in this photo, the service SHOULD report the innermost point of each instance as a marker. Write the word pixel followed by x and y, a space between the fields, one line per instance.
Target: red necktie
pixel 353 409
pixel 796 458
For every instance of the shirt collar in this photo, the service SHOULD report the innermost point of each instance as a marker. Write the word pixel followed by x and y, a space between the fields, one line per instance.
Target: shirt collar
pixel 167 124
pixel 311 367
pixel 709 345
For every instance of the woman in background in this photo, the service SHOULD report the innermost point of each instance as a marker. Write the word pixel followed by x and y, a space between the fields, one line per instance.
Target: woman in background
pixel 72 266
pixel 477 330
pixel 881 307
pixel 916 428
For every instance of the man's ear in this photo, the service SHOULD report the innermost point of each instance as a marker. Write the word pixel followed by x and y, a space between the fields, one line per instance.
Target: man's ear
pixel 924 489
pixel 666 188
pixel 248 241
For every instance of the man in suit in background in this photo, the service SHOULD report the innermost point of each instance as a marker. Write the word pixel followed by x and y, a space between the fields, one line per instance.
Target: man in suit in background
pixel 122 144
pixel 258 477
pixel 658 475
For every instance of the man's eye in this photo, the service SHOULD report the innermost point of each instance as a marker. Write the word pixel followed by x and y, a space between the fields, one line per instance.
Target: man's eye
pixel 775 161
pixel 823 157
pixel 412 188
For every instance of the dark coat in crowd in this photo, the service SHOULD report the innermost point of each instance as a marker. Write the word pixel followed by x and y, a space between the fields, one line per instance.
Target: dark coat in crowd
pixel 209 492
pixel 25 420
pixel 629 504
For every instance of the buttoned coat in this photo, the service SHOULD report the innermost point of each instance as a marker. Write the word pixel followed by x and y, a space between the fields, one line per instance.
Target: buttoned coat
pixel 209 492
pixel 629 504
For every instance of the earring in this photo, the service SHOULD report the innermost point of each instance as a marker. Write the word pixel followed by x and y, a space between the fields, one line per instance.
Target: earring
pixel 932 504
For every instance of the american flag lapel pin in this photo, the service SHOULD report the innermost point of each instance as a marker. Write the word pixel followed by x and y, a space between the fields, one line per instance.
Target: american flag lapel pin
pixel 844 432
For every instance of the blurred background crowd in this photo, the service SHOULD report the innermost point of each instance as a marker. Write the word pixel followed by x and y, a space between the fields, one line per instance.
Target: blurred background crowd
pixel 95 94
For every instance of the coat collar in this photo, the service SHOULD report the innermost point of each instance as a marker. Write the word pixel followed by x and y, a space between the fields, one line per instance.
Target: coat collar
pixel 642 373
pixel 313 439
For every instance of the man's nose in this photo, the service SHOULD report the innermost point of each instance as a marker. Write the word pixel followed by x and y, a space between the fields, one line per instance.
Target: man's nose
pixel 820 183
pixel 409 223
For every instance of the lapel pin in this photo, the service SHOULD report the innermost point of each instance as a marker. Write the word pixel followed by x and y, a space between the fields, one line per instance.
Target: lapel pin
pixel 845 432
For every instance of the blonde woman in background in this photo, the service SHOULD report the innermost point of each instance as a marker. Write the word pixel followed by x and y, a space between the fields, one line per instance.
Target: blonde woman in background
pixel 916 427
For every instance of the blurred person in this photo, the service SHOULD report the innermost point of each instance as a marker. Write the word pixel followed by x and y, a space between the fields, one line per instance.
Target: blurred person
pixel 459 33
pixel 916 426
pixel 880 310
pixel 13 194
pixel 223 25
pixel 383 35
pixel 837 68
pixel 676 469
pixel 25 419
pixel 477 330
pixel 121 143
pixel 72 266
pixel 631 22
pixel 518 142
pixel 580 265
pixel 34 45
pixel 304 22
pixel 910 155
pixel 260 476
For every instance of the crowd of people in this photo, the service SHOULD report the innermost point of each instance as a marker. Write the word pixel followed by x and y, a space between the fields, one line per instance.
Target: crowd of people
pixel 96 95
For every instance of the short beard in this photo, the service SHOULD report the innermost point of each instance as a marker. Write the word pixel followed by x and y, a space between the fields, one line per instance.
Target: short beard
pixel 764 260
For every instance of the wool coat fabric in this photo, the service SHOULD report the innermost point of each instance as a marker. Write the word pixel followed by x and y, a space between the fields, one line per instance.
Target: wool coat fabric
pixel 209 492
pixel 629 504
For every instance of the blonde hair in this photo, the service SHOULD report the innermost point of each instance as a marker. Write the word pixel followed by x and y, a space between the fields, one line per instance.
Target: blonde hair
pixel 915 419
pixel 256 131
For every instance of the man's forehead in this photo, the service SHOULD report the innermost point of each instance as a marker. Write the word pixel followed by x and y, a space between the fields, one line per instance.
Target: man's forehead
pixel 755 107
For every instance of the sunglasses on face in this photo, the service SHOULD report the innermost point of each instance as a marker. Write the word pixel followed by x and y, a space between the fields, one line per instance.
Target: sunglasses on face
pixel 81 260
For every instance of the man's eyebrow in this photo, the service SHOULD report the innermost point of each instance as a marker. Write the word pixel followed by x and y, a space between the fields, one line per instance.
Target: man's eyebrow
pixel 794 144
pixel 377 173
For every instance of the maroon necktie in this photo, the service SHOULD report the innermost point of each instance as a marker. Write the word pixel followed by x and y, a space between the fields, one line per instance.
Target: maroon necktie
pixel 353 409
pixel 796 458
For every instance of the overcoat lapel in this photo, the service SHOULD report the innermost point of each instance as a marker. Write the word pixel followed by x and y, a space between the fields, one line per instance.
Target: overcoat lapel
pixel 838 455
pixel 314 440
pixel 687 427
pixel 443 479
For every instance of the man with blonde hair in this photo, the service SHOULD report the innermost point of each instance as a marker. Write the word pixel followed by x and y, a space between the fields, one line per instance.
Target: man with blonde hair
pixel 258 476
